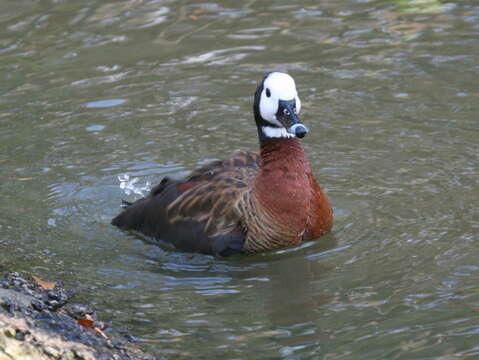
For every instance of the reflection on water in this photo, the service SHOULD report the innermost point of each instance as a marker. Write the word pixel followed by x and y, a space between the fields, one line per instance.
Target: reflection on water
pixel 100 91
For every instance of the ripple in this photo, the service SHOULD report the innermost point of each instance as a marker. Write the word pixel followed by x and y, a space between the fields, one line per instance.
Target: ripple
pixel 95 128
pixel 221 56
pixel 104 103
pixel 99 80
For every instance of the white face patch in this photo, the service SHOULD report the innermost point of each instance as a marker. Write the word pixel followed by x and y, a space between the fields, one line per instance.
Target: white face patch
pixel 276 132
pixel 277 86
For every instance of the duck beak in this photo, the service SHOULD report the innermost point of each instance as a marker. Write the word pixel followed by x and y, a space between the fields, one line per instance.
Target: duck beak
pixel 298 129
pixel 287 117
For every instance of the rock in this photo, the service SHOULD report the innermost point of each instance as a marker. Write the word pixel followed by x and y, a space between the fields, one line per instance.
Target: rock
pixel 37 324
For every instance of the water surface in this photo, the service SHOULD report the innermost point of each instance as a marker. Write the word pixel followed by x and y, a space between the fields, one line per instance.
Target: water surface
pixel 95 90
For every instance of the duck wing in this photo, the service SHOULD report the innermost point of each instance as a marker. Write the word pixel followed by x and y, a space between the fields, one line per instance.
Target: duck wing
pixel 198 213
pixel 320 220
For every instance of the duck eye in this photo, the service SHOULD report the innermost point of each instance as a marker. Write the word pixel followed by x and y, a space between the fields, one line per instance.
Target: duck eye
pixel 268 93
pixel 286 112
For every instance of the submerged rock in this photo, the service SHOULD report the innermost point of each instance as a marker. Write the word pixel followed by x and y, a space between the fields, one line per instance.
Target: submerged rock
pixel 38 323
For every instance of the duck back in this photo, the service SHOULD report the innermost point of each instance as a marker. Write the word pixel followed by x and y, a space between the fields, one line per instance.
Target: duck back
pixel 197 213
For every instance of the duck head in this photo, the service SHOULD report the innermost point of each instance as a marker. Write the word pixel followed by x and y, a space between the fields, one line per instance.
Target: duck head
pixel 276 108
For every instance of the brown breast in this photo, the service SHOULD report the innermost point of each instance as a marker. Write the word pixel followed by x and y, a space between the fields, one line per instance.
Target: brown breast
pixel 277 211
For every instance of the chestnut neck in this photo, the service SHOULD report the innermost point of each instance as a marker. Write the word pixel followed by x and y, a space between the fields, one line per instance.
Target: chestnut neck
pixel 282 152
pixel 282 185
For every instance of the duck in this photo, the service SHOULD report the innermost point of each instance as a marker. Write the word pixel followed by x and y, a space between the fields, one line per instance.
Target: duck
pixel 250 203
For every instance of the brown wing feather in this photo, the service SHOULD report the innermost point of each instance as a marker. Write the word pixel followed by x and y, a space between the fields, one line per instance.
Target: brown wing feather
pixel 197 213
pixel 240 159
pixel 213 191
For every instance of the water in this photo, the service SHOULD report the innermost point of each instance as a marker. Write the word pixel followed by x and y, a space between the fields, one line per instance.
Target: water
pixel 94 90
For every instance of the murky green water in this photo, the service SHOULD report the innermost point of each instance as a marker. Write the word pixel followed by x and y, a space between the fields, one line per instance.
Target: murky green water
pixel 93 90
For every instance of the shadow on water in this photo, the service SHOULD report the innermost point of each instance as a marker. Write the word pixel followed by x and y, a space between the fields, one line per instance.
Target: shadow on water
pixel 269 291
